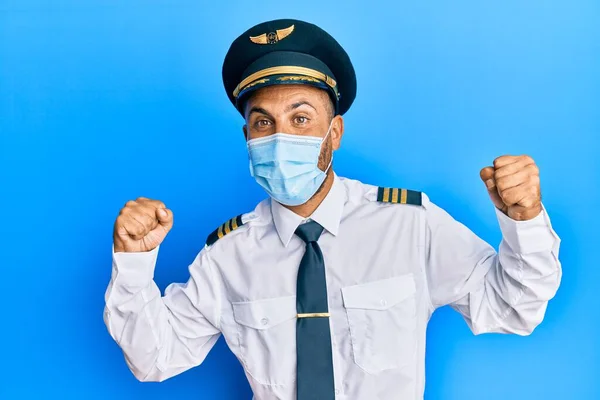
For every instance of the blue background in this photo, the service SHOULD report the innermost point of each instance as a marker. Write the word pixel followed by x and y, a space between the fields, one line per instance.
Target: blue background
pixel 105 101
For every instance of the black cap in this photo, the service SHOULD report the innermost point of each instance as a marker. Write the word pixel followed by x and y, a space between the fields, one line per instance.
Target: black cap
pixel 288 51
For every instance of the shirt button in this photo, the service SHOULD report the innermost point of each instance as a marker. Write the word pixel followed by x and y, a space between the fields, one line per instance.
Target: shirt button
pixel 337 391
pixel 264 321
pixel 383 302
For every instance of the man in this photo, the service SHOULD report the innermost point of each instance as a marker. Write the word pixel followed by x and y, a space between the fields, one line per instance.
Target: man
pixel 324 291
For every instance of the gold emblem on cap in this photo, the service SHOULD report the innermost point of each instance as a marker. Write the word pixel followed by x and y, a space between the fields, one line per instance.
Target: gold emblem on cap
pixel 272 37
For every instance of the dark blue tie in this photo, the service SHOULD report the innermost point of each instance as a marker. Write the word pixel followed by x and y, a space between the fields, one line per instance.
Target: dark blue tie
pixel 313 339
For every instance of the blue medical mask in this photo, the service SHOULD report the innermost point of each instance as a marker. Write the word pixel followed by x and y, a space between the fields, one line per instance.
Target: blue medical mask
pixel 286 166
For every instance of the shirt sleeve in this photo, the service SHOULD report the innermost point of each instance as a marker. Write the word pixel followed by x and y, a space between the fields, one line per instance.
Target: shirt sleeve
pixel 505 291
pixel 161 336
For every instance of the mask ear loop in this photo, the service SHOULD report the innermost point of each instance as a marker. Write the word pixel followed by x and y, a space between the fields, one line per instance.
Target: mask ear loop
pixel 328 131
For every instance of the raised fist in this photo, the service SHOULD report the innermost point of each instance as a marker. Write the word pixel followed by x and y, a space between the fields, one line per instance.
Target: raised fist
pixel 141 225
pixel 513 184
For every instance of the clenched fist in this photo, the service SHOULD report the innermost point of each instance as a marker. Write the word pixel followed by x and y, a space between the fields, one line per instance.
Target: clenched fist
pixel 513 184
pixel 142 225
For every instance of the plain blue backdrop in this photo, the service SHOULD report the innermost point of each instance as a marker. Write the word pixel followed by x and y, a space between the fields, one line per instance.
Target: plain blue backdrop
pixel 105 101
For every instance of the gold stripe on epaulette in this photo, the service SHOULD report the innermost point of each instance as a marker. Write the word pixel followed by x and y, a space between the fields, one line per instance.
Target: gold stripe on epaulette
pixel 395 195
pixel 224 229
pixel 386 194
pixel 403 196
pixel 399 196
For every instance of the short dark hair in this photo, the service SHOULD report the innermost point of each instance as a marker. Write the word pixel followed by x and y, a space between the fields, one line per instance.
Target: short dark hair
pixel 330 107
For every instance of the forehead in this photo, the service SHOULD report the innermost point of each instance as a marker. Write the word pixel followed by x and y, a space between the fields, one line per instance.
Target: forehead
pixel 282 95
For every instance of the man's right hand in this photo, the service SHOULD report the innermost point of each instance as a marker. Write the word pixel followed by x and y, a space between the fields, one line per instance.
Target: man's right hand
pixel 141 225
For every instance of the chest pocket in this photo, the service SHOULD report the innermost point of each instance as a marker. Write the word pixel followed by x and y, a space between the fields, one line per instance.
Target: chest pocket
pixel 382 319
pixel 267 339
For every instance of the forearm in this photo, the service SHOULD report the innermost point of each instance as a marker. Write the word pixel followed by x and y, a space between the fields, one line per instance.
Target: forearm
pixel 160 337
pixel 522 278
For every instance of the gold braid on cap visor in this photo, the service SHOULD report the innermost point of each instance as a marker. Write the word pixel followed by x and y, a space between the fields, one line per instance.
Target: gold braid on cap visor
pixel 285 70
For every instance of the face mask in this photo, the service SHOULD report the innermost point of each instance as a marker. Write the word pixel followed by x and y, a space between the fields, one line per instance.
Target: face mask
pixel 286 166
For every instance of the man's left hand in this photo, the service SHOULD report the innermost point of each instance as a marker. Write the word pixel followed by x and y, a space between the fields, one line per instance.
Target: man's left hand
pixel 513 184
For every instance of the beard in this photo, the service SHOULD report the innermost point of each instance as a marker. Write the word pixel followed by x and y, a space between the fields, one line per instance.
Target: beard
pixel 325 157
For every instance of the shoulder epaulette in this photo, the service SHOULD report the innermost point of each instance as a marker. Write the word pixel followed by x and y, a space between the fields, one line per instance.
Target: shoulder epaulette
pixel 399 196
pixel 224 229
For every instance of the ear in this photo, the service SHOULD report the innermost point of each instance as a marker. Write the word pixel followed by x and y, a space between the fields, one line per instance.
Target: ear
pixel 245 129
pixel 337 131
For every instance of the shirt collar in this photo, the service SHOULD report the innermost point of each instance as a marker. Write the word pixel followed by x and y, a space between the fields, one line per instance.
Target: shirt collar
pixel 328 214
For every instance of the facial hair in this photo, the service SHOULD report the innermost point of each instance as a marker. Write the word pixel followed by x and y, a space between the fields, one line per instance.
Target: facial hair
pixel 325 157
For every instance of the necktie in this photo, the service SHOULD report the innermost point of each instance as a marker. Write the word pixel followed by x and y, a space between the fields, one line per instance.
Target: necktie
pixel 313 339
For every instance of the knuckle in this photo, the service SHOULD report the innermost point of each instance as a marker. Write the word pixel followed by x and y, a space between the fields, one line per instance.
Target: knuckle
pixel 502 180
pixel 130 227
pixel 143 223
pixel 508 196
pixel 151 213
pixel 498 173
pixel 530 167
pixel 535 190
pixel 143 209
pixel 528 202
pixel 140 230
pixel 534 180
pixel 158 204
pixel 527 158
pixel 147 217
pixel 150 222
pixel 144 220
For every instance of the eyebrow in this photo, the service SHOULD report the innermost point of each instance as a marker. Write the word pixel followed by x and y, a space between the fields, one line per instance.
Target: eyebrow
pixel 291 107
pixel 260 110
pixel 299 104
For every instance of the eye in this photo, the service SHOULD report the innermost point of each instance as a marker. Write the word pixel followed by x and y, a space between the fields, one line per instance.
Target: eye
pixel 262 123
pixel 301 120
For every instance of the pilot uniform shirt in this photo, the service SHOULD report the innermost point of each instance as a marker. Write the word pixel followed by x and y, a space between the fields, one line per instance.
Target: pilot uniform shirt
pixel 388 267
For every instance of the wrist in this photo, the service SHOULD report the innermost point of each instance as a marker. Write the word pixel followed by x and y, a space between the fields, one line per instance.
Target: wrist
pixel 525 214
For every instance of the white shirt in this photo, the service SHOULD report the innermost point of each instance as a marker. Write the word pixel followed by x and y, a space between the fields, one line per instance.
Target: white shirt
pixel 388 267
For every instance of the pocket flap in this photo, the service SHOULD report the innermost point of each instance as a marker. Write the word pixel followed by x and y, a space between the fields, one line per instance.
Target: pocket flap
pixel 265 314
pixel 379 295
